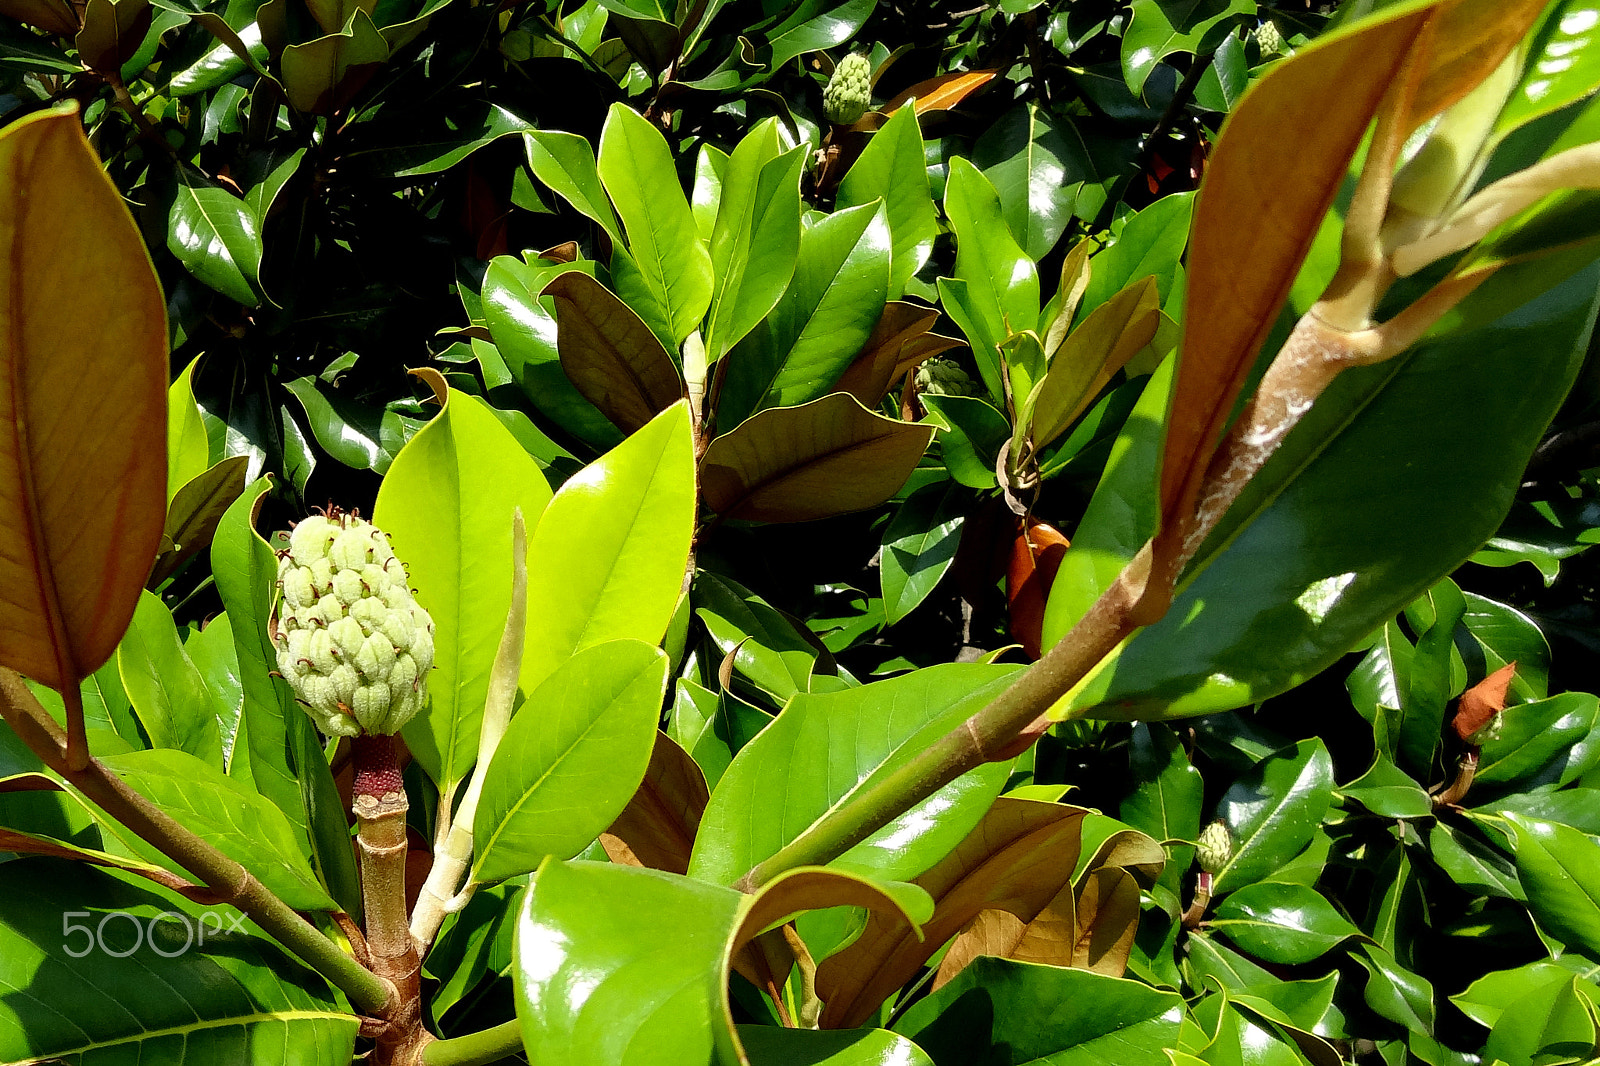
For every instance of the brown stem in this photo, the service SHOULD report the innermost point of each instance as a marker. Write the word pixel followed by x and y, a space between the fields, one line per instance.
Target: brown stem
pixel 232 882
pixel 380 807
pixel 1466 770
pixel 1202 899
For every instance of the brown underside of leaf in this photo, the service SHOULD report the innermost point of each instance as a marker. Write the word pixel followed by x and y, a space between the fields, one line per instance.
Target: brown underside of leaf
pixel 82 471
pixel 658 826
pixel 610 354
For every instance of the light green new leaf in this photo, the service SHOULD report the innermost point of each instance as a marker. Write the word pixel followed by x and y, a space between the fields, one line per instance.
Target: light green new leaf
pixel 188 450
pixel 446 504
pixel 216 237
pixel 1002 282
pixel 891 168
pixel 227 815
pixel 636 166
pixel 629 967
pixel 169 695
pixel 606 561
pixel 565 162
pixel 161 990
pixel 756 239
pixel 1112 334
pixel 802 766
pixel 286 761
pixel 1562 65
pixel 571 758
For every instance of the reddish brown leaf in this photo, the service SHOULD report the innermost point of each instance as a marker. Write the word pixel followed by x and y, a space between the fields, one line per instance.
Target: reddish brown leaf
pixel 1480 703
pixel 1035 558
pixel 657 827
pixel 1107 917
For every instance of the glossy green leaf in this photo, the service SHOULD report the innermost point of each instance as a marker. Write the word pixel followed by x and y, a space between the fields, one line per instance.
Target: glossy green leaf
pixel 755 238
pixel 1310 558
pixel 606 561
pixel 1395 992
pixel 1100 346
pixel 571 759
pixel 188 452
pixel 1273 810
pixel 1167 793
pixel 766 646
pixel 794 464
pixel 1152 242
pixel 1120 516
pixel 1477 866
pixel 777 787
pixel 285 755
pixel 169 695
pixel 596 981
pixel 816 24
pixel 1561 67
pixel 1544 1026
pixel 637 169
pixel 840 285
pixel 228 816
pixel 1557 867
pixel 446 504
pixel 1486 999
pixel 217 659
pixel 768 1045
pixel 358 435
pixel 1002 283
pixel 1158 28
pixel 1551 741
pixel 971 433
pixel 565 162
pixel 523 325
pixel 1283 924
pixel 1010 1013
pixel 1037 164
pixel 609 353
pixel 217 237
pixel 892 168
pixel 174 982
pixel 1388 791
pixel 442 142
pixel 705 195
pixel 919 546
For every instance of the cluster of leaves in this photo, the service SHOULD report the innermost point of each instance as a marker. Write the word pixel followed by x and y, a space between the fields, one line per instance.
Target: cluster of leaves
pixel 940 332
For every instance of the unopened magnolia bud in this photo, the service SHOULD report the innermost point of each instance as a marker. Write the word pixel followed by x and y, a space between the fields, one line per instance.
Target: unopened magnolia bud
pixel 352 642
pixel 848 95
pixel 1215 847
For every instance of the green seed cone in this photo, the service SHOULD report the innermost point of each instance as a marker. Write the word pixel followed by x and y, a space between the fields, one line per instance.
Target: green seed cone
pixel 848 95
pixel 1215 847
pixel 352 641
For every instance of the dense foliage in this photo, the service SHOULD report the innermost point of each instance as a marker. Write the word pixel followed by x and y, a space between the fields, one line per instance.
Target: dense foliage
pixel 751 390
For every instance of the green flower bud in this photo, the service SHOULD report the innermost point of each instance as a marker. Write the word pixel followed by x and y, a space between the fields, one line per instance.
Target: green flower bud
pixel 352 642
pixel 1215 847
pixel 848 95
pixel 941 377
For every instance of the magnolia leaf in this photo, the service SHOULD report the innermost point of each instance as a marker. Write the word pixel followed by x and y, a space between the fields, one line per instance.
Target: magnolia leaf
pixel 82 493
pixel 657 827
pixel 610 354
pixel 795 464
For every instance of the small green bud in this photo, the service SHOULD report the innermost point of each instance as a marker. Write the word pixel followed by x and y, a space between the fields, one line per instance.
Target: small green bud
pixel 848 95
pixel 352 642
pixel 941 377
pixel 1215 847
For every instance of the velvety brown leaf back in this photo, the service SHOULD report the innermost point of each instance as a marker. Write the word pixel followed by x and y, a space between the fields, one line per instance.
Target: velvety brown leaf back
pixel 83 405
pixel 658 826
pixel 1480 703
